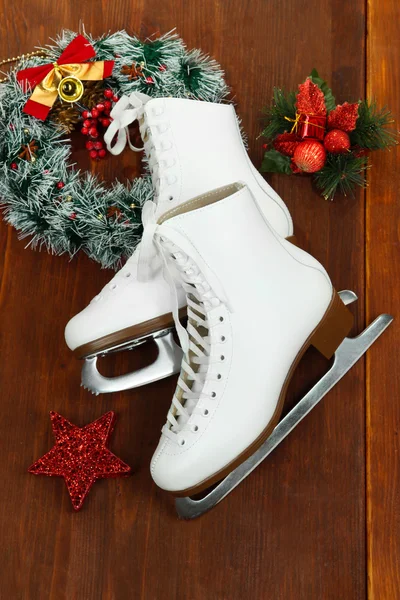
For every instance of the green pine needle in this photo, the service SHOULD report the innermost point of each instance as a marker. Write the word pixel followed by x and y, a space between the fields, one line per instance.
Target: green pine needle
pixel 275 120
pixel 341 173
pixel 370 131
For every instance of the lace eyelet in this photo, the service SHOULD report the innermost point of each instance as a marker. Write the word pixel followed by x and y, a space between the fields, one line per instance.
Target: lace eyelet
pixel 113 286
pixel 213 395
pixel 170 198
pixel 222 339
pixel 221 319
pixel 195 428
pixel 127 274
pixel 206 412
pixel 182 442
pixel 222 357
pixel 219 376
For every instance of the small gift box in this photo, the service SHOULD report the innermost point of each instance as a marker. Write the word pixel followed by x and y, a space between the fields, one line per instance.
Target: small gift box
pixel 310 126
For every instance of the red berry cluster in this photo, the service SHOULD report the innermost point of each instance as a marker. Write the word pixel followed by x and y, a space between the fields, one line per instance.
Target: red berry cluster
pixel 99 116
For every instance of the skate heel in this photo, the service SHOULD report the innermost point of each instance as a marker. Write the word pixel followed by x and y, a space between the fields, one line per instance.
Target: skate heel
pixel 333 328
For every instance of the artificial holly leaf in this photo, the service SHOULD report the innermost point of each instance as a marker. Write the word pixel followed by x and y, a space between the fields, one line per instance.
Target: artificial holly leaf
pixel 344 117
pixel 329 97
pixel 275 162
pixel 286 143
pixel 310 99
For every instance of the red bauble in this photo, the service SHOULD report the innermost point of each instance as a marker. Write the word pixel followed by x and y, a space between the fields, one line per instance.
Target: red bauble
pixel 86 114
pixel 149 80
pixel 107 105
pixel 337 141
pixel 14 166
pixel 93 154
pixel 309 156
pixel 102 153
pixel 108 93
pixel 100 107
pixel 115 98
pixel 95 113
pixel 105 122
pixel 87 123
pixel 93 132
pixel 98 145
pixel 60 185
pixel 89 145
pixel 80 455
pixel 85 130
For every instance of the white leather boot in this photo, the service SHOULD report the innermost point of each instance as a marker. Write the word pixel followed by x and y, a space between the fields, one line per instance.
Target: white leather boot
pixel 191 147
pixel 255 304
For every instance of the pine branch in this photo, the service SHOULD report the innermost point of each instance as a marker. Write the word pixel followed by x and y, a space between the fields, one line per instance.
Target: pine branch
pixel 341 173
pixel 370 131
pixel 278 115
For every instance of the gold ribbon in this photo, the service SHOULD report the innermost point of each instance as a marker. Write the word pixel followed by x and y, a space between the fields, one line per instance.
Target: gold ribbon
pixel 297 121
pixel 47 90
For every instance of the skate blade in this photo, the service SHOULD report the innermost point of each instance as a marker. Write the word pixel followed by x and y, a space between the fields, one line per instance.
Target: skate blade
pixel 168 362
pixel 347 354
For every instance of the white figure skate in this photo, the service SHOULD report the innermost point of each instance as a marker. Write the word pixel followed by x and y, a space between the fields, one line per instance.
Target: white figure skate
pixel 253 310
pixel 191 147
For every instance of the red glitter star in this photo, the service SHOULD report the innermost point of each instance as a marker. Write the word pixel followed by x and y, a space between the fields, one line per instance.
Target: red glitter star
pixel 80 455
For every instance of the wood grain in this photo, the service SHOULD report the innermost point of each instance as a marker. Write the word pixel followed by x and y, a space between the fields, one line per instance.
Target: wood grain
pixel 383 295
pixel 295 529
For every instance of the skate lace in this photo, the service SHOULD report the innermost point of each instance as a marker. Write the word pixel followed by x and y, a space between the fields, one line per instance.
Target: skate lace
pixel 196 367
pixel 204 292
pixel 127 111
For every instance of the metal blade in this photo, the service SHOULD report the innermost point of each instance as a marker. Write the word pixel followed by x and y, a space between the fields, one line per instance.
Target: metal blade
pixel 168 362
pixel 348 353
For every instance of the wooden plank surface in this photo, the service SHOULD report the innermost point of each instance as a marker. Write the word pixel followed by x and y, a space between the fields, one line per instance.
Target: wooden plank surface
pixel 295 529
pixel 383 295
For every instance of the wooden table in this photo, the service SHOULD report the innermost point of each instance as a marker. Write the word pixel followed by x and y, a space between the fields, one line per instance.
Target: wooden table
pixel 320 519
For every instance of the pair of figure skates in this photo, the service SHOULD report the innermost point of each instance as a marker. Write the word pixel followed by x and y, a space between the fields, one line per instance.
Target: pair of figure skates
pixel 218 247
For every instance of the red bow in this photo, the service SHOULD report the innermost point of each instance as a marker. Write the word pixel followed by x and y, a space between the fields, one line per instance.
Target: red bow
pixel 45 79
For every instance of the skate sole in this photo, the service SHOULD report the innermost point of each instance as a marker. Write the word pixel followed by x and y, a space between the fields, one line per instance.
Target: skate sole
pixel 326 337
pixel 124 337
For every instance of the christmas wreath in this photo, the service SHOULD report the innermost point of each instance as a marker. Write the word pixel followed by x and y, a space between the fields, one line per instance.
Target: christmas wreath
pixel 74 83
pixel 307 133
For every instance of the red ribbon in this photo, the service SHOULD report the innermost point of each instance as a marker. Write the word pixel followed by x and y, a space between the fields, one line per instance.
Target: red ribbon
pixel 78 51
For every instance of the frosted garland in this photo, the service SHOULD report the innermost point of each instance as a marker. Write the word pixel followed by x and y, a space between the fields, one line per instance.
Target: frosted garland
pixel 86 214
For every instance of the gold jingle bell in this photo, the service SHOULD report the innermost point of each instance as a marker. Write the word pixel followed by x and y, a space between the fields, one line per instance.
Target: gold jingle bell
pixel 70 89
